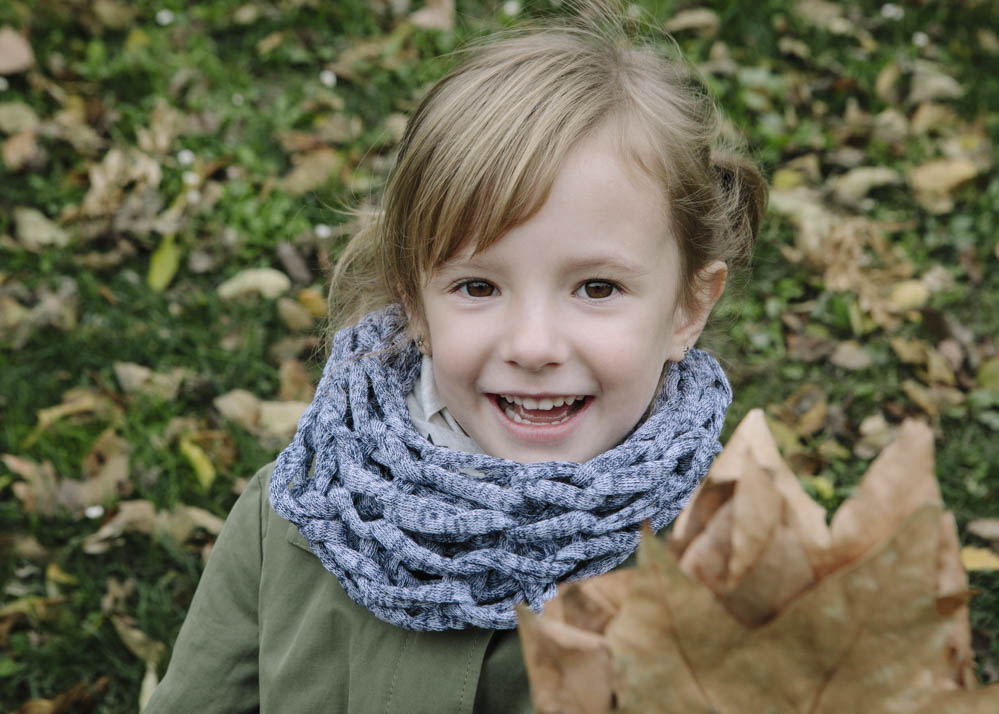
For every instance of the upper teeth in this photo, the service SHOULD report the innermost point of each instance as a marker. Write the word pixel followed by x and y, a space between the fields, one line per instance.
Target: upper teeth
pixel 546 403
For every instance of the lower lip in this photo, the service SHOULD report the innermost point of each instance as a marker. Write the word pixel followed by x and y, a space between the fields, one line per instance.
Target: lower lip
pixel 539 433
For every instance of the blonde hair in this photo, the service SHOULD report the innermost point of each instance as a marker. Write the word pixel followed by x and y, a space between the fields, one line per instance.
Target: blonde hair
pixel 482 150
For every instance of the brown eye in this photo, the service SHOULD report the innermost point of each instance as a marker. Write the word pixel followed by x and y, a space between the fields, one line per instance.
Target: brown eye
pixel 478 289
pixel 598 289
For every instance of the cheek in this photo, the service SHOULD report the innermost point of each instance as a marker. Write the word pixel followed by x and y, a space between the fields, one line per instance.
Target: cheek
pixel 636 349
pixel 457 356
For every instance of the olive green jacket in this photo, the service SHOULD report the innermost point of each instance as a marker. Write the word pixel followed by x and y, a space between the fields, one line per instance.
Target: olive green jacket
pixel 271 630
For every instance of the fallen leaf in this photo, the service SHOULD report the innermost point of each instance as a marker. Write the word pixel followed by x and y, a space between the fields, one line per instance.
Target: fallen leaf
pixel 265 282
pixel 240 406
pixel 897 482
pixel 71 125
pixel 979 559
pixel 699 19
pixel 987 528
pixel 56 574
pixel 165 123
pixel 930 82
pixel 988 375
pixel 786 178
pixel 930 116
pixel 875 434
pixel 15 52
pixel 880 624
pixel 37 492
pixel 570 662
pixel 199 461
pixel 851 355
pixel 855 184
pixel 56 309
pixel 311 171
pixel 12 313
pixel 20 150
pixel 908 295
pixel 36 232
pixel 116 594
pixel 886 83
pixel 137 378
pixel 163 264
pixel 294 314
pixel 313 301
pixel 436 14
pixel 137 641
pixel 934 181
pixel 17 117
pixel 113 15
pixel 891 127
pixel 149 683
pixel 293 262
pixel 23 546
pixel 142 517
pixel 118 170
pixel 278 420
pixel 933 400
pixel 805 410
pixel 295 382
pixel 77 401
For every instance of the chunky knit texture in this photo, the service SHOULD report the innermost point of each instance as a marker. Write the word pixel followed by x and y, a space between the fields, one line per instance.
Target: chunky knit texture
pixel 428 538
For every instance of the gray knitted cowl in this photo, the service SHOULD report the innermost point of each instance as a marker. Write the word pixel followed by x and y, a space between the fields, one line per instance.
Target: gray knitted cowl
pixel 429 538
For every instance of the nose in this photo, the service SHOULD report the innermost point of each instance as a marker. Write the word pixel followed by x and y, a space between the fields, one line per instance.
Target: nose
pixel 534 338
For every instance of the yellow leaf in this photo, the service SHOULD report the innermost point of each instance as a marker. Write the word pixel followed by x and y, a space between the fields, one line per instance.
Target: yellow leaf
pixel 315 302
pixel 138 642
pixel 57 575
pixel 163 264
pixel 980 559
pixel 787 179
pixel 199 461
pixel 823 487
pixel 136 38
pixel 149 682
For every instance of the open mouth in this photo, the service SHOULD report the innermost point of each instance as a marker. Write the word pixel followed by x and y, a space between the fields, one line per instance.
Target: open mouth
pixel 546 411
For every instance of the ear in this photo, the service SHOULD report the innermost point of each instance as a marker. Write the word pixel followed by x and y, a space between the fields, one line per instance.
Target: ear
pixel 690 321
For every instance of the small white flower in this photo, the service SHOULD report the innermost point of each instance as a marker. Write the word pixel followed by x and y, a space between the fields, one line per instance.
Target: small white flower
pixel 511 8
pixel 920 39
pixel 237 99
pixel 94 512
pixel 164 17
pixel 233 172
pixel 323 231
pixel 185 157
pixel 328 78
pixel 193 196
pixel 891 11
pixel 191 178
pixel 4 84
pixel 634 11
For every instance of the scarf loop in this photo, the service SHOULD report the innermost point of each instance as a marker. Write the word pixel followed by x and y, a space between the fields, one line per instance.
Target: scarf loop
pixel 429 538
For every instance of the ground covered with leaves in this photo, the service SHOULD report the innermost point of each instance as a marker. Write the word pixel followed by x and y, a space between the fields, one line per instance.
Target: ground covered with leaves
pixel 172 193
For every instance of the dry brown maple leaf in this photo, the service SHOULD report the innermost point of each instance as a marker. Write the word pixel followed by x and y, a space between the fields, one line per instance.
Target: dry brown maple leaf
pixel 755 604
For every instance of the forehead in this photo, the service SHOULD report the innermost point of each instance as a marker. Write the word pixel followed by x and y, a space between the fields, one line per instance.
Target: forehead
pixel 603 184
pixel 600 213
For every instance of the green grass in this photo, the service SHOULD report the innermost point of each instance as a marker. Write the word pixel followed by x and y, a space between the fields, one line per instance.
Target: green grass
pixel 207 64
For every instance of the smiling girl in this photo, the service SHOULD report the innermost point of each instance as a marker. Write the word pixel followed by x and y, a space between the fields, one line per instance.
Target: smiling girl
pixel 512 393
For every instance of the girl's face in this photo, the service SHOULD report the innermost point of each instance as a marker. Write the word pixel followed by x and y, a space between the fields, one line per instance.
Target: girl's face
pixel 549 344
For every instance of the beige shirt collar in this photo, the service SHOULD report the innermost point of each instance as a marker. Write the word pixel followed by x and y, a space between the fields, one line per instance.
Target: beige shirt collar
pixel 431 418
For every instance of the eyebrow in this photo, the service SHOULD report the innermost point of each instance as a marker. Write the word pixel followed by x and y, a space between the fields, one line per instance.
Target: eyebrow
pixel 607 262
pixel 581 264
